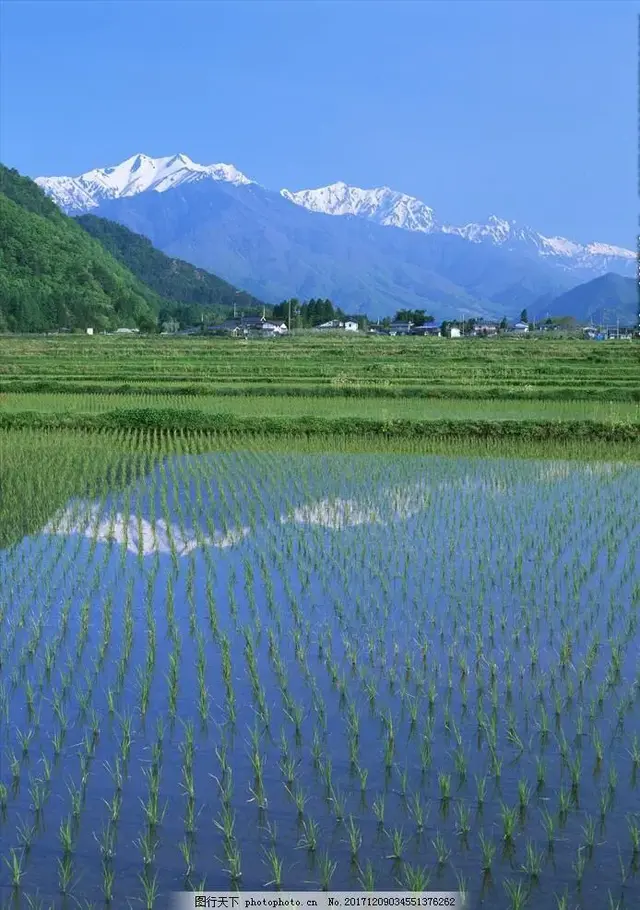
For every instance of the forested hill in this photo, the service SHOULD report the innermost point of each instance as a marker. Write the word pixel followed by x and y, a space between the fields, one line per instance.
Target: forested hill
pixel 54 275
pixel 173 279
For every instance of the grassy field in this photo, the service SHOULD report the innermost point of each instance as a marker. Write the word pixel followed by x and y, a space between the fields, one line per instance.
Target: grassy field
pixel 517 392
pixel 537 369
pixel 286 406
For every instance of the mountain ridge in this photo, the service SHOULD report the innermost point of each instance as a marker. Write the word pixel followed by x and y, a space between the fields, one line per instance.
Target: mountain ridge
pixel 382 205
pixel 257 240
pixel 373 251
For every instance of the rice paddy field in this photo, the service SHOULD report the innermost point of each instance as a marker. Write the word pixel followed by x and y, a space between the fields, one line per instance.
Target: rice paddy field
pixel 296 660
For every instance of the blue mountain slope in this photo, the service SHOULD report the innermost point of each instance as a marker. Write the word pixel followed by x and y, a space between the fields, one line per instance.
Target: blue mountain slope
pixel 256 239
pixel 605 299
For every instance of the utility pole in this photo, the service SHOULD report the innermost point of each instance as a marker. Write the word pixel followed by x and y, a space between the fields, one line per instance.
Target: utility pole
pixel 289 313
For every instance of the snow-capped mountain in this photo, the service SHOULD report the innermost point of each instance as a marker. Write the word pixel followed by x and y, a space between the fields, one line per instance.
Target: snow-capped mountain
pixel 369 250
pixel 138 174
pixel 382 205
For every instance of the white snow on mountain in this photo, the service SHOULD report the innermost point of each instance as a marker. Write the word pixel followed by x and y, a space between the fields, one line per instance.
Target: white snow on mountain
pixel 381 205
pixel 388 207
pixel 598 256
pixel 135 175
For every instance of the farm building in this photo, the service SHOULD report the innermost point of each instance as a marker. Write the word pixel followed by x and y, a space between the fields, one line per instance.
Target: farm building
pixel 521 327
pixel 430 329
pixel 246 325
pixel 453 332
pixel 400 328
pixel 348 326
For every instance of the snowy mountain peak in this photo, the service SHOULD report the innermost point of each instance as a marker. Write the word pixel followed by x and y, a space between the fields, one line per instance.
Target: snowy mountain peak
pixel 137 174
pixel 389 207
pixel 380 204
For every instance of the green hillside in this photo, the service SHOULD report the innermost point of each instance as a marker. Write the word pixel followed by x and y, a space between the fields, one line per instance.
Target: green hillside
pixel 602 300
pixel 172 279
pixel 54 275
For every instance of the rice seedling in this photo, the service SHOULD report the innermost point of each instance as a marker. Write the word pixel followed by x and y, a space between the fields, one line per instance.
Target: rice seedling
pixel 534 861
pixel 517 894
pixel 441 849
pixel 309 837
pixel 488 852
pixel 414 878
pixel 398 844
pixel 354 835
pixel 481 790
pixel 579 865
pixel 524 796
pixel 366 878
pixel 564 803
pixel 15 865
pixel 225 822
pixel 509 818
pixel 66 835
pixel 444 783
pixel 106 841
pixel 275 865
pixel 65 874
pixel 108 881
pixel 326 869
pixel 589 834
pixel 150 888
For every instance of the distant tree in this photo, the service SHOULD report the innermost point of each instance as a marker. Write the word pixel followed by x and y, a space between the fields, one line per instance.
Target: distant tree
pixel 444 327
pixel 503 324
pixel 417 317
pixel 524 316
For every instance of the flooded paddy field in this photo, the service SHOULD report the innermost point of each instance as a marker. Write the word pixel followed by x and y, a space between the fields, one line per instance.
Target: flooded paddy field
pixel 247 669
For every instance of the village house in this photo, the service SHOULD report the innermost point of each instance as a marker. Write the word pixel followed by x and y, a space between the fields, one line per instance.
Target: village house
pixel 521 328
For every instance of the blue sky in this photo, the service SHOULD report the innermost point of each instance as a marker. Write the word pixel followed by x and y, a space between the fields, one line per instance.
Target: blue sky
pixel 527 110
